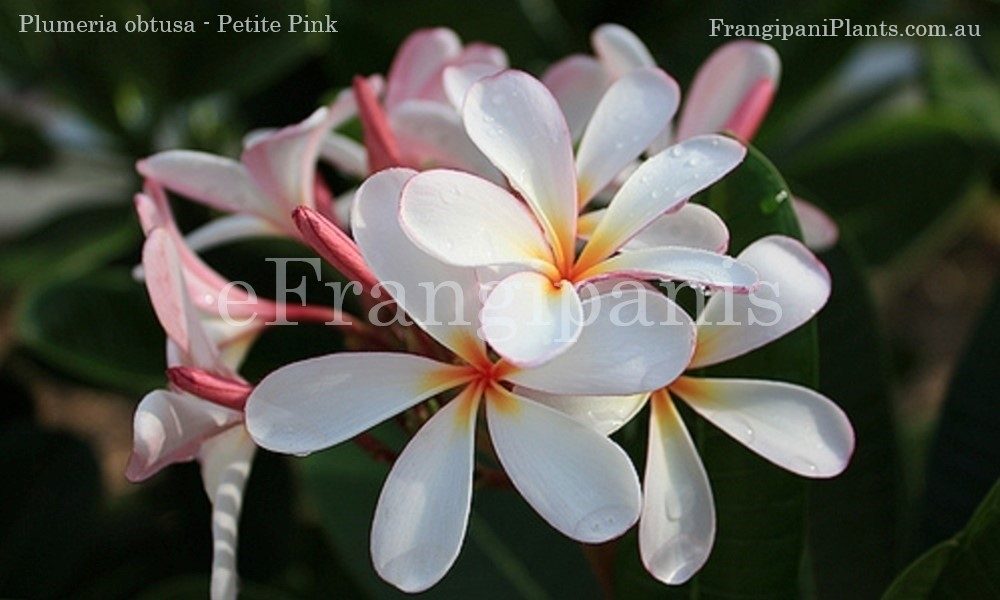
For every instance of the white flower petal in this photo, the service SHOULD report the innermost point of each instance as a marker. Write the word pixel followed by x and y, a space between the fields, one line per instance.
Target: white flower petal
pixel 320 402
pixel 634 340
pixel 217 181
pixel 170 427
pixel 517 123
pixel 661 184
pixel 423 510
pixel 793 287
pixel 691 226
pixel 284 163
pixel 632 113
pixel 529 320
pixel 619 49
pixel 722 84
pixel 431 134
pixel 467 221
pixel 790 425
pixel 229 229
pixel 676 263
pixel 441 298
pixel 346 155
pixel 457 80
pixel 677 526
pixel 418 63
pixel 578 480
pixel 225 466
pixel 577 82
pixel 819 231
pixel 604 414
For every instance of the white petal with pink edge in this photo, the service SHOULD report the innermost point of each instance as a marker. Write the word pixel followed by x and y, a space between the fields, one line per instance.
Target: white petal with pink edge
pixel 578 480
pixel 793 287
pixel 604 414
pixel 431 135
pixel 630 115
pixel 419 60
pixel 284 163
pixel 819 231
pixel 413 277
pixel 661 184
pixel 577 82
pixel 168 293
pixel 619 49
pixel 792 426
pixel 170 427
pixel 634 340
pixel 320 402
pixel 677 526
pixel 225 466
pixel 518 125
pixel 722 84
pixel 345 154
pixel 691 226
pixel 423 510
pixel 217 181
pixel 465 220
pixel 529 320
pixel 457 80
pixel 675 263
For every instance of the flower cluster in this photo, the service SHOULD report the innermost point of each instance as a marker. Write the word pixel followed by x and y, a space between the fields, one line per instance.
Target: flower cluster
pixel 526 228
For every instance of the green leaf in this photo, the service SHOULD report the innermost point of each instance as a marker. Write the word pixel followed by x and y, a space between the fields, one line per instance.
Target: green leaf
pixel 890 180
pixel 68 245
pixel 853 518
pixel 99 328
pixel 760 508
pixel 509 551
pixel 966 566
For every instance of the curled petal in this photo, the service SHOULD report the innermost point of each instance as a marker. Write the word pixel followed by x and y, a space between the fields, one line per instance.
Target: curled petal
pixel 170 427
pixel 634 340
pixel 577 82
pixel 529 320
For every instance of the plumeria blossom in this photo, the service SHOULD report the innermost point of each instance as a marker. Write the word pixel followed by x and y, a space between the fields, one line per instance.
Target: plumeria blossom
pixel 276 173
pixel 578 480
pixel 174 425
pixel 731 92
pixel 792 426
pixel 533 313
pixel 417 123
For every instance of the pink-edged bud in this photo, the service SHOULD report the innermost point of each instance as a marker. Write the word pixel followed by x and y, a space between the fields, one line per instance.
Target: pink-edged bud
pixel 383 150
pixel 224 391
pixel 331 243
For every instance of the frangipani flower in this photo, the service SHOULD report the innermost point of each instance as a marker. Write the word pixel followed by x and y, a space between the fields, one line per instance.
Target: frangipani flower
pixel 173 425
pixel 417 124
pixel 731 92
pixel 577 479
pixel 275 174
pixel 534 312
pixel 792 426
